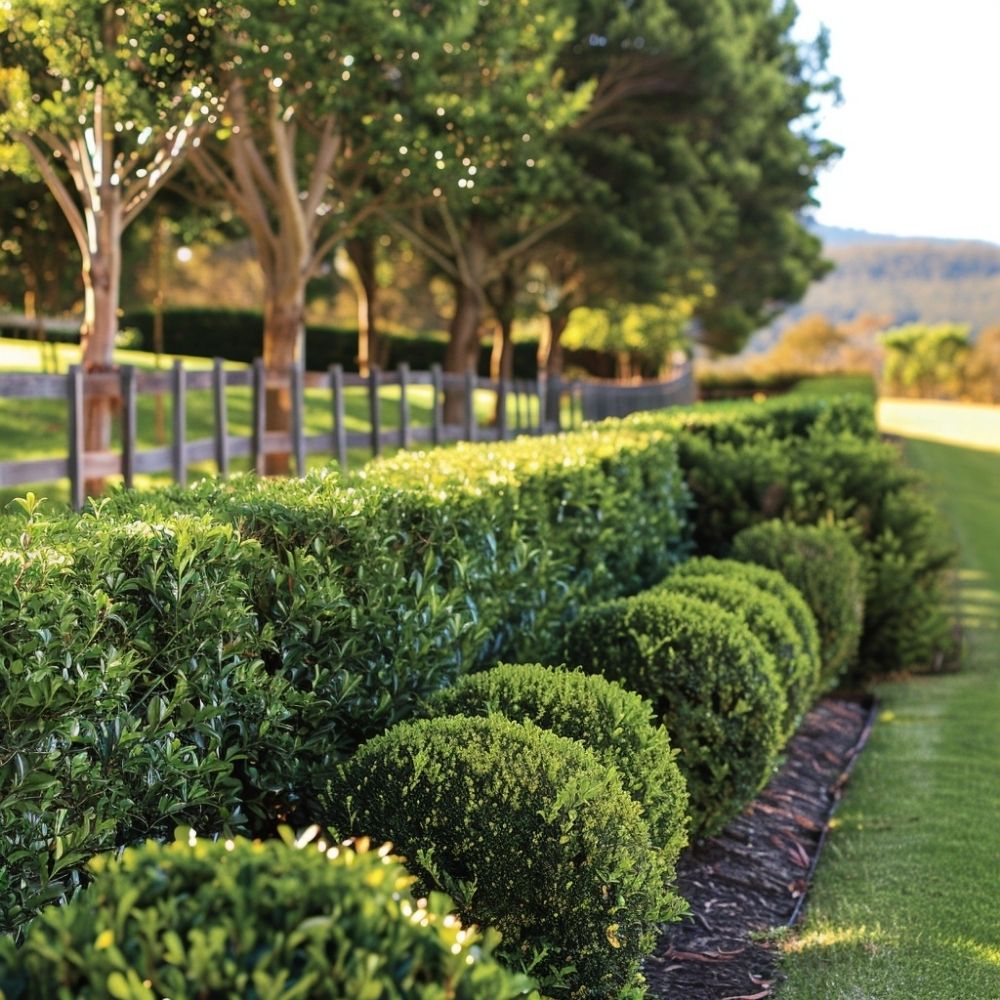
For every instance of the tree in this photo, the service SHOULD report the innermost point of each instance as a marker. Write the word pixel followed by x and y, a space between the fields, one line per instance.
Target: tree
pixel 812 344
pixel 316 135
pixel 694 161
pixel 925 361
pixel 107 99
pixel 500 182
pixel 643 337
pixel 982 368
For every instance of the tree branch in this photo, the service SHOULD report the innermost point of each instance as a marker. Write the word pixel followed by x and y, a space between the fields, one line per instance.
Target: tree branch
pixel 424 243
pixel 527 242
pixel 59 191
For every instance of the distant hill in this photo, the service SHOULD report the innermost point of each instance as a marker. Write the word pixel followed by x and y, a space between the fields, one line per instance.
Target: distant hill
pixel 925 280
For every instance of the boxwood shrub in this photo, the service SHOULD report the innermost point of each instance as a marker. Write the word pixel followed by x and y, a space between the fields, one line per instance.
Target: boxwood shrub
pixel 235 919
pixel 825 476
pixel 131 697
pixel 528 832
pixel 712 683
pixel 825 568
pixel 616 724
pixel 764 615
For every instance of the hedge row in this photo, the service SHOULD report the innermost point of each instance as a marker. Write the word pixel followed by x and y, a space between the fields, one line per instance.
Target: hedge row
pixel 243 655
pixel 238 335
pixel 160 668
pixel 813 461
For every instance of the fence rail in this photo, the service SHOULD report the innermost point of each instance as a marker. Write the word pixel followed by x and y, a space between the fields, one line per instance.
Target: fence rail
pixel 521 408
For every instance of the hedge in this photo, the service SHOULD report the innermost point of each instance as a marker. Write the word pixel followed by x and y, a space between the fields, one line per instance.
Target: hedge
pixel 530 834
pixel 763 613
pixel 823 565
pixel 234 919
pixel 810 460
pixel 616 724
pixel 712 684
pixel 221 665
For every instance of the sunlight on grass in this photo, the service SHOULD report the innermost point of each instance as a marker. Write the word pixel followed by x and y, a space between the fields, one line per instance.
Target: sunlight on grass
pixel 966 424
pixel 914 853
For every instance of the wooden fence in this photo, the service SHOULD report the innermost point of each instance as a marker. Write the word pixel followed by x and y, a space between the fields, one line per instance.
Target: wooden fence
pixel 520 406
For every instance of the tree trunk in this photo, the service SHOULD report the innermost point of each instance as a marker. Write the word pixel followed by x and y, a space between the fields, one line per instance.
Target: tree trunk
pixel 361 251
pixel 284 323
pixel 101 285
pixel 550 359
pixel 462 351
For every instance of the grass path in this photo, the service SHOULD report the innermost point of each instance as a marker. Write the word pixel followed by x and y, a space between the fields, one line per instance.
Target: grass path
pixel 907 900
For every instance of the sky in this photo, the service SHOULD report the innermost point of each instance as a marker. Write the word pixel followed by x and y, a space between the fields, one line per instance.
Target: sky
pixel 920 120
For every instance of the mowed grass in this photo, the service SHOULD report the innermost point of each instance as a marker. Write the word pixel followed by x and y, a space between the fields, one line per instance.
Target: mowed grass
pixel 39 428
pixel 907 899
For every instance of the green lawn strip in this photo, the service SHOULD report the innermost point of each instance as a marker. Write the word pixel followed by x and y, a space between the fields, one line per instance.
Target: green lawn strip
pixel 905 903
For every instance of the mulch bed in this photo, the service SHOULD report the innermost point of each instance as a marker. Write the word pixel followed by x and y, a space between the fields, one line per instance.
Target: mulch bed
pixel 754 876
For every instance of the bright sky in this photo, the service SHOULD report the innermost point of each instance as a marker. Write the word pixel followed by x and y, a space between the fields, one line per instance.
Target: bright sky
pixel 920 121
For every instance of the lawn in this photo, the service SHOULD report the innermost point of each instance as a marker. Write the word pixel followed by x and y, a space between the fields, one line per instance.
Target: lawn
pixel 905 902
pixel 38 428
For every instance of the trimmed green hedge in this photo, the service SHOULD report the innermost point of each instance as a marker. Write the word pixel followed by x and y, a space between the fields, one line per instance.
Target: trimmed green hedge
pixel 220 666
pixel 712 683
pixel 236 919
pixel 766 617
pixel 812 460
pixel 618 725
pixel 823 565
pixel 529 832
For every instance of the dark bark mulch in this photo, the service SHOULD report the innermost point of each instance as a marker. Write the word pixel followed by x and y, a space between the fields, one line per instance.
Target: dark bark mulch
pixel 753 877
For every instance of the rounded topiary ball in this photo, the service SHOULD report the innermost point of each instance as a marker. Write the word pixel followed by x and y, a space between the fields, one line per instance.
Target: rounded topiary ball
pixel 766 617
pixel 767 579
pixel 528 832
pixel 618 725
pixel 712 683
pixel 234 919
pixel 823 565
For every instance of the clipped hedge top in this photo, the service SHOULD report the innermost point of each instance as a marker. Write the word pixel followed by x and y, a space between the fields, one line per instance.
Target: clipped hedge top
pixel 236 918
pixel 798 666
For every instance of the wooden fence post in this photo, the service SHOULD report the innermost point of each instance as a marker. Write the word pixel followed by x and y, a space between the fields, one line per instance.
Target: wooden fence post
pixel 178 449
pixel 470 404
pixel 221 417
pixel 404 405
pixel 299 417
pixel 375 409
pixel 437 417
pixel 339 430
pixel 128 424
pixel 259 415
pixel 74 395
pixel 502 409
pixel 540 391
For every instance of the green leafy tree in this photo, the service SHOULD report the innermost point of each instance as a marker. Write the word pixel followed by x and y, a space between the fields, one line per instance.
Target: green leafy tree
pixel 500 183
pixel 108 99
pixel 319 130
pixel 644 336
pixel 925 360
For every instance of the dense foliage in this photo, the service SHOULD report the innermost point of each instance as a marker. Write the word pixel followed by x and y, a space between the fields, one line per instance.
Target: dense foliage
pixel 826 569
pixel 797 663
pixel 616 724
pixel 528 832
pixel 813 460
pixel 236 919
pixel 711 682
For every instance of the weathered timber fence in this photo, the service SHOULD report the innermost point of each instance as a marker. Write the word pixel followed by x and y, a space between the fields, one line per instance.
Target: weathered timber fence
pixel 519 410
